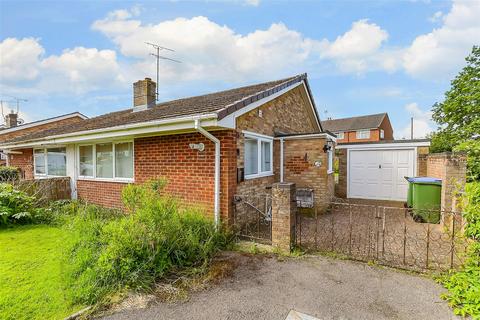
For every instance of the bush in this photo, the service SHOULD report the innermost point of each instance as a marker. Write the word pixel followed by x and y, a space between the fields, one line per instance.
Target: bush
pixel 15 206
pixel 113 253
pixel 8 174
pixel 464 285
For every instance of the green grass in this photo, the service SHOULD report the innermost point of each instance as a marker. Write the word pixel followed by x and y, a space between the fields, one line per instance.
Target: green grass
pixel 31 273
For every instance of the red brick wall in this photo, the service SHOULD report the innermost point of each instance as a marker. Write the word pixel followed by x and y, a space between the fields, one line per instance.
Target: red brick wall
pixel 23 161
pixel 107 194
pixel 190 173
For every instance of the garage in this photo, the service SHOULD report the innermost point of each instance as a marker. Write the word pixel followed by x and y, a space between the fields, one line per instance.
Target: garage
pixel 377 170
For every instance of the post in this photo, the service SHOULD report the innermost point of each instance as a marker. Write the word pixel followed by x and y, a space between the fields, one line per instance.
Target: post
pixel 284 209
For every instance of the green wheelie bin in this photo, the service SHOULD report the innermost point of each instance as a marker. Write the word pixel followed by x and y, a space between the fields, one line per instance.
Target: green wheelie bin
pixel 424 196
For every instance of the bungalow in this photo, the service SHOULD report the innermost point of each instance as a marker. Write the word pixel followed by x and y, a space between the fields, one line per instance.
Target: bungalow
pixel 208 147
pixel 14 127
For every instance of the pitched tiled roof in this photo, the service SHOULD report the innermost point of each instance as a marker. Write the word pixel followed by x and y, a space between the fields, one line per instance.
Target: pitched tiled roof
pixel 354 123
pixel 223 103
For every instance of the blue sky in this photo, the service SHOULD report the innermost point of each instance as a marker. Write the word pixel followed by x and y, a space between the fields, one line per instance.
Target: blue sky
pixel 362 57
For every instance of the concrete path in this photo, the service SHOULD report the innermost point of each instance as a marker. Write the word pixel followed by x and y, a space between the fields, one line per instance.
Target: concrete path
pixel 265 288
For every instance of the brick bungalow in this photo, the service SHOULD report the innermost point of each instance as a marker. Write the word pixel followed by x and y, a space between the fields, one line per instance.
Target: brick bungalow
pixel 13 128
pixel 209 147
pixel 368 128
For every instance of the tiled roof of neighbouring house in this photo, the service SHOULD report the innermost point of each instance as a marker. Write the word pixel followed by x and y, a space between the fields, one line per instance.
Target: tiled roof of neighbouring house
pixel 354 123
pixel 223 103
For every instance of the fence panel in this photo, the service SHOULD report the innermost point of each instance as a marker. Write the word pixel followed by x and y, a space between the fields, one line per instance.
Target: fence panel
pixel 45 190
pixel 388 235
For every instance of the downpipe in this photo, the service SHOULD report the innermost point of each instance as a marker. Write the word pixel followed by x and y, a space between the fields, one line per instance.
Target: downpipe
pixel 208 135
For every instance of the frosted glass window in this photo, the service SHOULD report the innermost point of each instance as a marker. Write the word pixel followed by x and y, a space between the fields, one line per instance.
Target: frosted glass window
pixel 57 162
pixel 39 159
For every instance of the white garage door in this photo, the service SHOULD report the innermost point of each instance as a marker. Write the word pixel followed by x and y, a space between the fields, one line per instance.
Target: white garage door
pixel 379 174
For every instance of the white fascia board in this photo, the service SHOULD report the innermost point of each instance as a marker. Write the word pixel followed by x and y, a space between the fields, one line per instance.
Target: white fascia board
pixel 393 145
pixel 312 105
pixel 42 122
pixel 308 136
pixel 256 135
pixel 229 121
pixel 152 127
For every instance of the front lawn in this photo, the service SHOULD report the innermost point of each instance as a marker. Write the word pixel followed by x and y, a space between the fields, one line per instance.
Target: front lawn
pixel 31 273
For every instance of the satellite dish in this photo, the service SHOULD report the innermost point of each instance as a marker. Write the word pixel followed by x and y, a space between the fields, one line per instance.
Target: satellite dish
pixel 20 121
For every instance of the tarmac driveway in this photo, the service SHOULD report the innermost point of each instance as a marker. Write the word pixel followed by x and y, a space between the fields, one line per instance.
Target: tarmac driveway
pixel 263 287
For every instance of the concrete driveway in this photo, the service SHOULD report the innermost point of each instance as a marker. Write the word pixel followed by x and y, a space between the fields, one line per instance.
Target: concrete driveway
pixel 263 287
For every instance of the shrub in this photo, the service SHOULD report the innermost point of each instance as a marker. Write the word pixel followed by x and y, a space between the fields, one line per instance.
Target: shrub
pixel 8 174
pixel 464 285
pixel 158 237
pixel 15 206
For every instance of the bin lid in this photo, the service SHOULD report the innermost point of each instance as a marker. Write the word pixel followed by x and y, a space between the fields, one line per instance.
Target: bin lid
pixel 425 180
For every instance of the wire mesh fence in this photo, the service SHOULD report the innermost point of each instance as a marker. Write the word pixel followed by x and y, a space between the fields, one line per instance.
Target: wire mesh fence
pixel 393 236
pixel 252 217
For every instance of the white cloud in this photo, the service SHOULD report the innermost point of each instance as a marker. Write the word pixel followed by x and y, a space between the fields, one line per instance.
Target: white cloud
pixel 209 51
pixel 19 59
pixel 254 3
pixel 25 68
pixel 422 122
pixel 436 17
pixel 441 53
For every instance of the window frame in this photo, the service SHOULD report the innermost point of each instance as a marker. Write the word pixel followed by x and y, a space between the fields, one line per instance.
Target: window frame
pixel 342 133
pixel 94 160
pixel 260 138
pixel 382 134
pixel 45 159
pixel 330 160
pixel 358 134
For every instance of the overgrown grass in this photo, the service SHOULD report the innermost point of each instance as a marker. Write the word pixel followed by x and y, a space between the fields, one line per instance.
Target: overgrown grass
pixel 31 284
pixel 112 254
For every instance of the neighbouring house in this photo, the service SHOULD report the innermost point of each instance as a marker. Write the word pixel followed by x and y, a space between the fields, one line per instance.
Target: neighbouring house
pixel 208 147
pixel 14 128
pixel 374 127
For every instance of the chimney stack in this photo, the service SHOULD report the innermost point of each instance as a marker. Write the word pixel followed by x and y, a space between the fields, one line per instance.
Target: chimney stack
pixel 11 119
pixel 144 94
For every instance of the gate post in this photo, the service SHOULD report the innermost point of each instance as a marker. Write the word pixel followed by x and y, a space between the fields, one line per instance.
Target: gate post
pixel 284 209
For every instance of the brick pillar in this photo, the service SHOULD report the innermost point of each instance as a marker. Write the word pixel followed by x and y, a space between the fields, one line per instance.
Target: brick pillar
pixel 284 209
pixel 341 186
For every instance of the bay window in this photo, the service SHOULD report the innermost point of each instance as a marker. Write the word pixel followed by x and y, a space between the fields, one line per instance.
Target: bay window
pixel 258 155
pixel 111 161
pixel 50 162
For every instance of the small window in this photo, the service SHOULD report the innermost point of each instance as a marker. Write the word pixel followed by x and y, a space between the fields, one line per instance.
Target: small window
pixel 363 134
pixel 104 158
pixel 330 161
pixel 124 160
pixel 340 135
pixel 50 162
pixel 39 160
pixel 382 134
pixel 258 156
pixel 86 161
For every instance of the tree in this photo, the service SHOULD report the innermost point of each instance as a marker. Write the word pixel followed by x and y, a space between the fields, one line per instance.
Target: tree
pixel 458 116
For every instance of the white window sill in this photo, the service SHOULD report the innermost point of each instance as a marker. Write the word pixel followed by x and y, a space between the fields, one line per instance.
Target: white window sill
pixel 258 175
pixel 43 176
pixel 117 180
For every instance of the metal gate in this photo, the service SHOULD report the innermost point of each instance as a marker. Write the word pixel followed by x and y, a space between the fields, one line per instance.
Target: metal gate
pixel 387 235
pixel 252 217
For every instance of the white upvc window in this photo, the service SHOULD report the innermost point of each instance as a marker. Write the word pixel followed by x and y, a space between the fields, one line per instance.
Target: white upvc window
pixel 50 162
pixel 363 134
pixel 330 154
pixel 382 134
pixel 106 161
pixel 340 135
pixel 258 158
